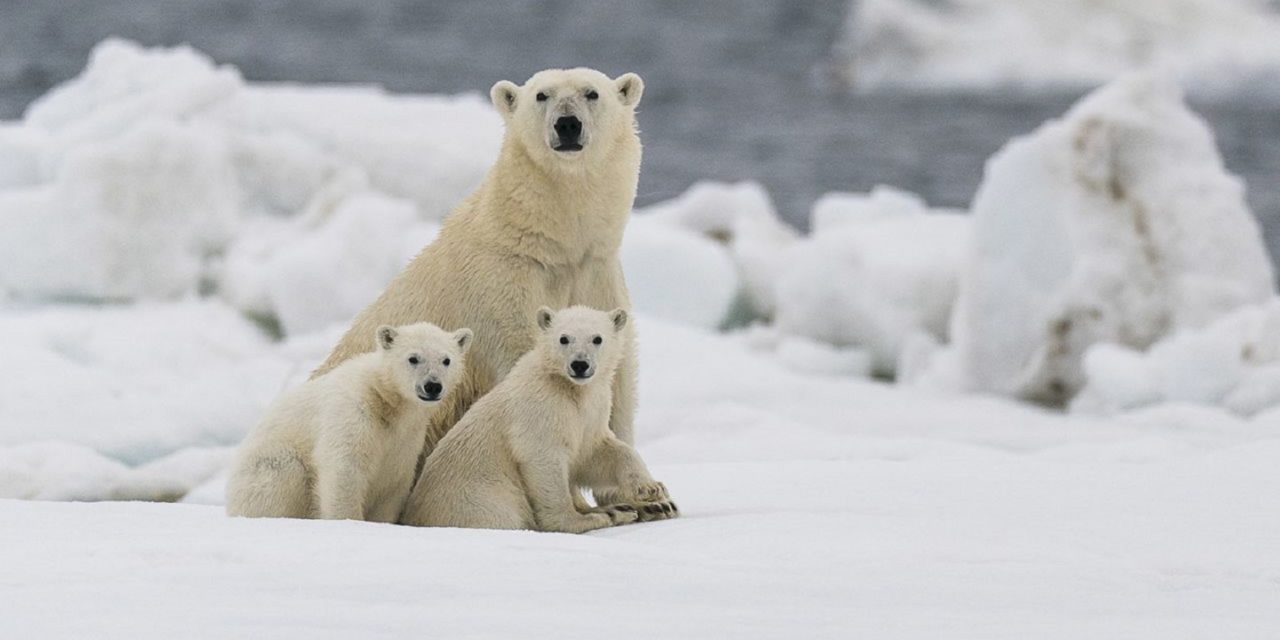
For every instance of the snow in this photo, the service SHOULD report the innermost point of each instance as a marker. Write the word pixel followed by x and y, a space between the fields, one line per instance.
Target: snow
pixel 181 245
pixel 676 274
pixel 876 270
pixel 1116 223
pixel 742 216
pixel 916 516
pixel 1216 47
pixel 135 382
pixel 1234 363
pixel 131 181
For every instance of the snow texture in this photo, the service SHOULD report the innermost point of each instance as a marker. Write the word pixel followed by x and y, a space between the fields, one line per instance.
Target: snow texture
pixel 1233 363
pixel 876 270
pixel 133 179
pixel 1116 223
pixel 913 516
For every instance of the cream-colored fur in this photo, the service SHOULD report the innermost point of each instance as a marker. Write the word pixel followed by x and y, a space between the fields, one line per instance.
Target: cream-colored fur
pixel 345 445
pixel 542 230
pixel 521 456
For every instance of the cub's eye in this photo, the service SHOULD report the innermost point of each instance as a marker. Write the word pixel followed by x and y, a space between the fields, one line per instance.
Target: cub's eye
pixel 445 362
pixel 413 360
pixel 597 340
pixel 592 95
pixel 541 97
pixel 564 339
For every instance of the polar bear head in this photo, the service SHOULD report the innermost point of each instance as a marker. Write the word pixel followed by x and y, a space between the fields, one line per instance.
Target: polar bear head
pixel 581 342
pixel 423 360
pixel 570 117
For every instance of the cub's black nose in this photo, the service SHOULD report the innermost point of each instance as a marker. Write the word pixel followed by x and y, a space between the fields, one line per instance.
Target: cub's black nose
pixel 433 388
pixel 579 367
pixel 569 129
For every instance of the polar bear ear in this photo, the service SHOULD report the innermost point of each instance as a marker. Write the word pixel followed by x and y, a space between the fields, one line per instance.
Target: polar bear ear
pixel 463 338
pixel 503 94
pixel 630 88
pixel 386 336
pixel 619 318
pixel 544 318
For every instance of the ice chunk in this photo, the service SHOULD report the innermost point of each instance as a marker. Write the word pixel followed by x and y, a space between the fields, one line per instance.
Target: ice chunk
pixel 876 270
pixel 676 274
pixel 1233 363
pixel 1116 223
pixel 741 216
pixel 135 216
pixel 133 179
pixel 324 269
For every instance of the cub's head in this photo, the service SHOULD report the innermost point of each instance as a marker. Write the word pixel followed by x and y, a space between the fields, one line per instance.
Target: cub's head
pixel 423 360
pixel 566 117
pixel 582 343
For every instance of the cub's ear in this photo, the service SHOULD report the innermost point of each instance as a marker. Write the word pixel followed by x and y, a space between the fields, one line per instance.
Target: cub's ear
pixel 463 338
pixel 544 318
pixel 386 336
pixel 619 318
pixel 630 88
pixel 503 94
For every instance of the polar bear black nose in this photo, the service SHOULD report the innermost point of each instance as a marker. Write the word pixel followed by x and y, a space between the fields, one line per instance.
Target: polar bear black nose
pixel 579 367
pixel 433 388
pixel 569 128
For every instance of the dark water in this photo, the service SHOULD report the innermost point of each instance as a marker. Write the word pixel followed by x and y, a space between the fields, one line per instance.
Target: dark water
pixel 734 89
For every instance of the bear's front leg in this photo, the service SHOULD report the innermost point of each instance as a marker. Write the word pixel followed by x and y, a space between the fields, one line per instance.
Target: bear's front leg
pixel 547 484
pixel 340 491
pixel 617 472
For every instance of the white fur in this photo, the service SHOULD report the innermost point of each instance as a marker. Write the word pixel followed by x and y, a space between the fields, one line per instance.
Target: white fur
pixel 345 445
pixel 522 454
pixel 542 230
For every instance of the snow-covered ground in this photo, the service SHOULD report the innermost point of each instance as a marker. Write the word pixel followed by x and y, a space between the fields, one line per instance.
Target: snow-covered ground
pixel 813 507
pixel 1217 47
pixel 230 231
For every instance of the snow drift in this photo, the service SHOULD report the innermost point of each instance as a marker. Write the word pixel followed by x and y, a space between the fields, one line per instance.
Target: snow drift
pixel 131 180
pixel 1216 47
pixel 876 271
pixel 1232 363
pixel 1116 223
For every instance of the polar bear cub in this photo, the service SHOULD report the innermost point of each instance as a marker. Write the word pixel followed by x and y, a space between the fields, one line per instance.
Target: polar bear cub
pixel 520 456
pixel 345 445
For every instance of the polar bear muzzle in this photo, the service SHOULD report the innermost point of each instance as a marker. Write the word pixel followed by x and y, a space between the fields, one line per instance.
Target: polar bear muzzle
pixel 569 133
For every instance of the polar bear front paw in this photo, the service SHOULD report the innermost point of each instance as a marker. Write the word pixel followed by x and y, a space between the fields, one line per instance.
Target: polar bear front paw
pixel 621 513
pixel 653 502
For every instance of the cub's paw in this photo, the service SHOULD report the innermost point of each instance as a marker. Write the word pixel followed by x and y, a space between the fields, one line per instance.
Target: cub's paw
pixel 664 509
pixel 621 513
pixel 651 492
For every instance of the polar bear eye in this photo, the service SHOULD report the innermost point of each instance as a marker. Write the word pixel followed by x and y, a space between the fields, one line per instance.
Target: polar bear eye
pixel 413 360
pixel 593 95
pixel 597 340
pixel 541 97
pixel 564 339
pixel 445 362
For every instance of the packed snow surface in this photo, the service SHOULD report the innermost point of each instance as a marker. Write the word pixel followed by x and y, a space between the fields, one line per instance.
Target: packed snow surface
pixel 1217 47
pixel 813 507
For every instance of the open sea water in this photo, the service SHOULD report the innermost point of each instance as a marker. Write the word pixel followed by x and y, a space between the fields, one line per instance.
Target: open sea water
pixel 734 90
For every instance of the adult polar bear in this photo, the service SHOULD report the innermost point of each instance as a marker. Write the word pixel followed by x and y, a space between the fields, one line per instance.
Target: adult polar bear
pixel 543 229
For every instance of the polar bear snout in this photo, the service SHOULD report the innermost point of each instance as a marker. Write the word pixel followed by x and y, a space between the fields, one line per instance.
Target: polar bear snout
pixel 580 370
pixel 430 391
pixel 568 133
